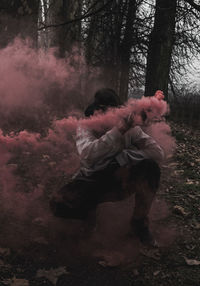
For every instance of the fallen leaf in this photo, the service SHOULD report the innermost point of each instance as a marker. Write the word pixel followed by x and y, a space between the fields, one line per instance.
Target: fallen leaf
pixel 16 282
pixel 178 172
pixel 45 157
pixel 192 196
pixel 151 253
pixel 173 164
pixel 4 251
pixel 52 164
pixel 156 272
pixel 180 210
pixel 52 274
pixel 192 262
pixel 189 182
pixel 196 225
pixel 103 263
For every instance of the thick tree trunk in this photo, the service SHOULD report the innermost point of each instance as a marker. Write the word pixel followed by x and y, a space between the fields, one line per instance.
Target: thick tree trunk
pixel 64 37
pixel 54 16
pixel 72 32
pixel 160 47
pixel 126 47
pixel 18 18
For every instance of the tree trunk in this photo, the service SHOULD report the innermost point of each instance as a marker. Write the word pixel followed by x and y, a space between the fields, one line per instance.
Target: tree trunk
pixel 64 37
pixel 160 47
pixel 43 40
pixel 18 18
pixel 109 43
pixel 126 47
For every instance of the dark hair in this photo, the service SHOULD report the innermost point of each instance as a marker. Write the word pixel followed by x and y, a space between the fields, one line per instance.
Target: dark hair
pixel 103 98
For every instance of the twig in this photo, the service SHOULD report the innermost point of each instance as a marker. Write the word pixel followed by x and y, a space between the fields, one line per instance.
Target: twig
pixel 86 15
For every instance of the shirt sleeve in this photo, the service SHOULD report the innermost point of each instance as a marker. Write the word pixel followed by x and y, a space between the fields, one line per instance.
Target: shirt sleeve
pixel 93 150
pixel 146 144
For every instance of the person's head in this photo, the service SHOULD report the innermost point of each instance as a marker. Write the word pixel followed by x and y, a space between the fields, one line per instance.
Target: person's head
pixel 103 99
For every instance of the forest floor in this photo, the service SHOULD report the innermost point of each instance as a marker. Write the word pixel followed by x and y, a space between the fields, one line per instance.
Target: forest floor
pixel 175 262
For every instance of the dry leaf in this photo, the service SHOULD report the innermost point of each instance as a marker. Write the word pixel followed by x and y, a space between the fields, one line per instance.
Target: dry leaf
pixel 173 164
pixel 192 261
pixel 16 282
pixel 178 172
pixel 196 225
pixel 52 164
pixel 45 157
pixel 180 210
pixel 156 272
pixel 151 253
pixel 52 274
pixel 192 196
pixel 103 263
pixel 189 182
pixel 4 251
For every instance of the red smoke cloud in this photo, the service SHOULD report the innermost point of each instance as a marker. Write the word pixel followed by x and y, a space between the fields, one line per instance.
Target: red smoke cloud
pixel 32 165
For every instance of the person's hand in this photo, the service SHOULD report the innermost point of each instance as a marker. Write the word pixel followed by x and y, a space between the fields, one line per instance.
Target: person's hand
pixel 159 95
pixel 125 123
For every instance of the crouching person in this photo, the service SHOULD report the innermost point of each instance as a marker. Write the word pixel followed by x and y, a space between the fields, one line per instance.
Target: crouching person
pixel 114 165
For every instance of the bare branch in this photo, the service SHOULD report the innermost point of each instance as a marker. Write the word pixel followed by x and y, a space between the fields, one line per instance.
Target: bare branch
pixel 193 4
pixel 84 16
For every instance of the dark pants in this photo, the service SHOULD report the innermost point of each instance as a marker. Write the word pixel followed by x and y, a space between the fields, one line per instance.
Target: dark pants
pixel 80 196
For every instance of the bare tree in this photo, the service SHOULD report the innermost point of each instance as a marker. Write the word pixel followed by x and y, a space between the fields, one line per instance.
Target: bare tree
pixel 160 47
pixel 127 43
pixel 109 42
pixel 187 41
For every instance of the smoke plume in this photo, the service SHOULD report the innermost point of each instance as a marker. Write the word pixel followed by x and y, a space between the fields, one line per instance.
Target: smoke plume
pixel 41 105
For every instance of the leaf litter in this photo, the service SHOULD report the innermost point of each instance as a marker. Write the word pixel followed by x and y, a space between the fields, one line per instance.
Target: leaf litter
pixel 52 274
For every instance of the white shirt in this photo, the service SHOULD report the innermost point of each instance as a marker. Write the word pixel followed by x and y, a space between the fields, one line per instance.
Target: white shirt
pixel 130 148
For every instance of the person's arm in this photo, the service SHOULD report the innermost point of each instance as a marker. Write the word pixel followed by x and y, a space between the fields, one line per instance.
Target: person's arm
pixel 146 144
pixel 92 150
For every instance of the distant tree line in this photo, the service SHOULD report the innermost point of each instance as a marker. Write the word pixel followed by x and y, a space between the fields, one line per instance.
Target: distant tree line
pixel 133 43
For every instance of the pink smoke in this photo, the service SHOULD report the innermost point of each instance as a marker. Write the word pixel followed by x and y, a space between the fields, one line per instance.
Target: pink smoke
pixel 34 164
pixel 55 155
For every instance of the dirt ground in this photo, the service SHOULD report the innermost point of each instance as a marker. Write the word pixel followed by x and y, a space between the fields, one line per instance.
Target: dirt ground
pixel 64 253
